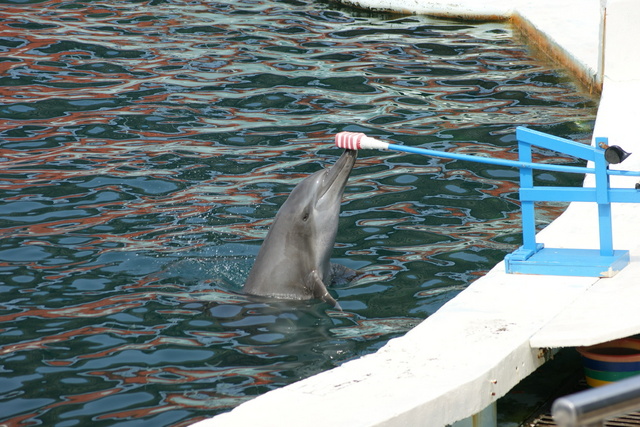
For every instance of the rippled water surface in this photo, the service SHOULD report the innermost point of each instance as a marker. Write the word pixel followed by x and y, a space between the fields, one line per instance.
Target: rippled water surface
pixel 146 146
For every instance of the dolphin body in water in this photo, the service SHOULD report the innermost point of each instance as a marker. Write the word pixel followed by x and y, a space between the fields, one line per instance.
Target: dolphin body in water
pixel 294 259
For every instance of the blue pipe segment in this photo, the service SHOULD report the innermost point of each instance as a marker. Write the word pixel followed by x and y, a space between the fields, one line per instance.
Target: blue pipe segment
pixel 505 162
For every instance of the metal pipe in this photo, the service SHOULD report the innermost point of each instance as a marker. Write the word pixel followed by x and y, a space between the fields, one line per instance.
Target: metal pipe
pixel 591 407
pixel 356 141
pixel 491 160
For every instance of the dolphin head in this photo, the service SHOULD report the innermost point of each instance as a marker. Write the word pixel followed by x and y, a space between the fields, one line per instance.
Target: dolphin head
pixel 313 206
pixel 302 236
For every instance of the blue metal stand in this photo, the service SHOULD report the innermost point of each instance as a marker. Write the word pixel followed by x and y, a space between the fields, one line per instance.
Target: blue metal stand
pixel 533 257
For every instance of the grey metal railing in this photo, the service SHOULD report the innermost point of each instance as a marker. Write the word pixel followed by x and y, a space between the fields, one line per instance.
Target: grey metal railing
pixel 590 408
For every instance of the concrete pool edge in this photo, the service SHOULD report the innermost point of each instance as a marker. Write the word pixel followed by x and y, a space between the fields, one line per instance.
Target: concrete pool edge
pixel 480 344
pixel 572 43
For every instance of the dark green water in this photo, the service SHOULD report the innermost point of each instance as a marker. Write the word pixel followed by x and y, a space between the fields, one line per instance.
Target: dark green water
pixel 146 146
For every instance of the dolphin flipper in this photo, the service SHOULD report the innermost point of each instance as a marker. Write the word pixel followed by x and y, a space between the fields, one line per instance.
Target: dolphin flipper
pixel 320 291
pixel 341 275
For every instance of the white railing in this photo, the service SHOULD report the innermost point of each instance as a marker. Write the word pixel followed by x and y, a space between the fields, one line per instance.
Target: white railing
pixel 590 408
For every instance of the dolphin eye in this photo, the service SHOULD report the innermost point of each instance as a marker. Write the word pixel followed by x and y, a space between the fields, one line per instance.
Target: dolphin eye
pixel 305 217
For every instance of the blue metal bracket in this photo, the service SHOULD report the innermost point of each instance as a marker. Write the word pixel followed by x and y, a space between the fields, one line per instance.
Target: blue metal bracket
pixel 533 257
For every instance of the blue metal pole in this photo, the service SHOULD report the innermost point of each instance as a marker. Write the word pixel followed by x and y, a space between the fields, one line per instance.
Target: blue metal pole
pixel 603 200
pixel 504 162
pixel 491 161
pixel 527 206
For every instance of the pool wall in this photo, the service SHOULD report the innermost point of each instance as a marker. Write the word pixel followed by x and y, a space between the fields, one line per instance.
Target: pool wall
pixel 479 345
pixel 570 32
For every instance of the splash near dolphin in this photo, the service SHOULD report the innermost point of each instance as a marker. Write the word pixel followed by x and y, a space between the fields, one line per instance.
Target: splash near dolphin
pixel 294 259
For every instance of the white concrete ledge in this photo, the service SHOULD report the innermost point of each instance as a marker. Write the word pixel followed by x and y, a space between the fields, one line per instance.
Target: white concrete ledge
pixel 566 31
pixel 484 341
pixel 458 361
pixel 465 9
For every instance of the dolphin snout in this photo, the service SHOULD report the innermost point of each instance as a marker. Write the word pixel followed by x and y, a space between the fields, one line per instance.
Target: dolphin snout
pixel 338 175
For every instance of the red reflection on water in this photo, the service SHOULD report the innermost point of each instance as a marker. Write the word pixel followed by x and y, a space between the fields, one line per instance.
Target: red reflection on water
pixel 65 336
pixel 402 207
pixel 177 375
pixel 149 345
pixel 136 413
pixel 99 308
pixel 372 328
pixel 77 400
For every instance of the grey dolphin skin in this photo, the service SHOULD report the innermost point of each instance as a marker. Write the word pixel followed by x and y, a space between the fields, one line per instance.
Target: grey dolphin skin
pixel 294 259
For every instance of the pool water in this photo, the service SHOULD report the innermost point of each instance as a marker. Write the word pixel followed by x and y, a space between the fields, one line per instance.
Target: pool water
pixel 146 146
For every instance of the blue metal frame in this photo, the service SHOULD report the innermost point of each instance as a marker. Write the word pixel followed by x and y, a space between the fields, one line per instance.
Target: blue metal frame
pixel 533 257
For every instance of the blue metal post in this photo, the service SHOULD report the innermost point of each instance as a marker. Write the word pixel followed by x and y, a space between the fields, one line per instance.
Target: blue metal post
pixel 527 206
pixel 602 198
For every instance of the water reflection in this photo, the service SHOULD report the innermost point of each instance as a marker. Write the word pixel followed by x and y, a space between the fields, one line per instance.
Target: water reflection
pixel 145 148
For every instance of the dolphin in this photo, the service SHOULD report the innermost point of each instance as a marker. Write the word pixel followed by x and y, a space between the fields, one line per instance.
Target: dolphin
pixel 294 259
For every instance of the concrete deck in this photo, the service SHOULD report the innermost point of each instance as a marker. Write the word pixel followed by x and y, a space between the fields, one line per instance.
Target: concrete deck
pixel 480 344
